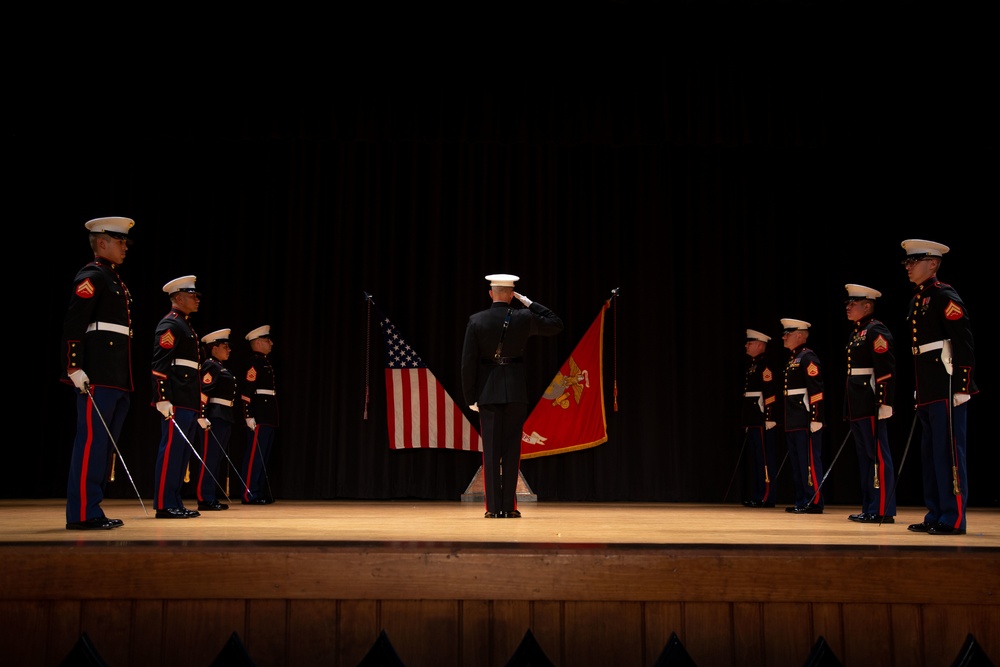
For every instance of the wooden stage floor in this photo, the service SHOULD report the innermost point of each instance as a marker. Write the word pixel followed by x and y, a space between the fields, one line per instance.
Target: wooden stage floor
pixel 429 522
pixel 316 582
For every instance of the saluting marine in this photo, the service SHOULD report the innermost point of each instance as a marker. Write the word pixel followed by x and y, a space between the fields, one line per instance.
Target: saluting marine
pixel 494 385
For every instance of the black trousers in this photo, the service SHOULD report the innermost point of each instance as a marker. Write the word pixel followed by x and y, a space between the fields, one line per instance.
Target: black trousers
pixel 502 426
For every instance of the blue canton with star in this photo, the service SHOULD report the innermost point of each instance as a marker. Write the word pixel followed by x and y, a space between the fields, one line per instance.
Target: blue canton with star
pixel 397 353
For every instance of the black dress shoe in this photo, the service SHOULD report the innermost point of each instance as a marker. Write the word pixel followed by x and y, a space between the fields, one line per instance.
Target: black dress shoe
pixel 254 501
pixel 214 506
pixel 191 513
pixel 97 523
pixel 514 514
pixel 921 527
pixel 172 513
pixel 793 510
pixel 492 515
pixel 757 503
pixel 805 510
pixel 869 517
pixel 116 523
pixel 944 529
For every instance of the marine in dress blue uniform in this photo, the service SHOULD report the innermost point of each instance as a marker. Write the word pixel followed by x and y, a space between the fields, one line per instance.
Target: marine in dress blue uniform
pixel 493 382
pixel 259 396
pixel 218 388
pixel 176 396
pixel 759 402
pixel 940 336
pixel 868 399
pixel 803 392
pixel 97 361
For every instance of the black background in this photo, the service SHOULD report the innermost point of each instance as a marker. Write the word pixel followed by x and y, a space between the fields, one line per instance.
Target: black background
pixel 720 187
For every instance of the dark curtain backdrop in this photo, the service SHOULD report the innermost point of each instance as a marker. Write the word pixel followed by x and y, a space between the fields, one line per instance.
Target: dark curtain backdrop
pixel 717 193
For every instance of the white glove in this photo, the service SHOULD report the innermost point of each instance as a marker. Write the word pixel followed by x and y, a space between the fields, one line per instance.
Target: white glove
pixel 474 407
pixel 815 426
pixel 960 398
pixel 80 380
pixel 884 411
pixel 204 423
pixel 523 299
pixel 769 425
pixel 251 423
pixel 166 409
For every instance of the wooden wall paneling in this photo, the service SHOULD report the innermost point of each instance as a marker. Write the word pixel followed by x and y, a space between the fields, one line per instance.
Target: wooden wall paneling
pixel 25 631
pixel 266 639
pixel 905 623
pixel 312 632
pixel 146 645
pixel 547 621
pixel 709 630
pixel 788 636
pixel 186 640
pixel 474 641
pixel 213 622
pixel 63 628
pixel 945 628
pixel 422 631
pixel 510 620
pixel 867 633
pixel 984 624
pixel 748 644
pixel 660 620
pixel 603 633
pixel 108 623
pixel 359 625
pixel 828 623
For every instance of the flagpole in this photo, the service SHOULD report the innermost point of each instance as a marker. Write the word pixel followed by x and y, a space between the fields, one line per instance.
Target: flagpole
pixel 614 348
pixel 368 350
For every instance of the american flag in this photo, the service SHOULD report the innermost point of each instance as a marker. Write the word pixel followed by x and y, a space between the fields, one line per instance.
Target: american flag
pixel 420 413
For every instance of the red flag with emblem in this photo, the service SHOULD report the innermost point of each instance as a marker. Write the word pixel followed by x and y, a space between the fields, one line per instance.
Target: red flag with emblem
pixel 570 415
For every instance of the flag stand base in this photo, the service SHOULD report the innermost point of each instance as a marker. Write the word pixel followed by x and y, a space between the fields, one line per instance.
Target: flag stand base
pixel 476 491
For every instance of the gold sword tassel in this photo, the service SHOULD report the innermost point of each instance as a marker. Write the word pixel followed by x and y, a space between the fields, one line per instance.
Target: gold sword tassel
pixel 809 473
pixel 954 480
pixel 114 457
pixel 876 475
pixel 187 474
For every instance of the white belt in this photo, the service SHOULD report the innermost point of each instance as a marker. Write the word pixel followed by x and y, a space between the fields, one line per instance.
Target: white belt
pixel 186 362
pixel 862 371
pixel 753 394
pixel 928 347
pixel 796 392
pixel 221 401
pixel 107 326
pixel 268 392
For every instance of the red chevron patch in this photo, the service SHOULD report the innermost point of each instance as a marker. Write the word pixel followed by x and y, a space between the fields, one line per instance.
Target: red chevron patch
pixel 953 311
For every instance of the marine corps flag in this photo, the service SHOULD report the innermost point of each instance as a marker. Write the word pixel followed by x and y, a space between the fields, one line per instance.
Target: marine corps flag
pixel 420 413
pixel 570 414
